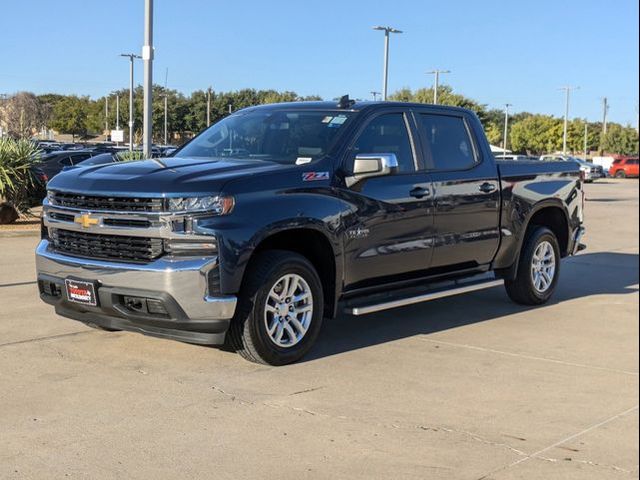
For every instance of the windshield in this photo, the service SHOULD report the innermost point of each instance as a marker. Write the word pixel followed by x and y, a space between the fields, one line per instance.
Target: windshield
pixel 283 136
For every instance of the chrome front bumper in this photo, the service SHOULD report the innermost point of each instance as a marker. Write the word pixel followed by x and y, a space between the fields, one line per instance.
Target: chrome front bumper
pixel 193 315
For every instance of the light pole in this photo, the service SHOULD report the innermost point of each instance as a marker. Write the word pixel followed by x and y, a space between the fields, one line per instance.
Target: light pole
pixel 567 89
pixel 586 131
pixel 605 110
pixel 165 118
pixel 387 31
pixel 506 128
pixel 118 114
pixel 375 95
pixel 147 58
pixel 106 118
pixel 132 57
pixel 208 106
pixel 436 81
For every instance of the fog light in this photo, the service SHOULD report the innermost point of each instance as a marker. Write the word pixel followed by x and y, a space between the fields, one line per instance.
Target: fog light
pixel 156 307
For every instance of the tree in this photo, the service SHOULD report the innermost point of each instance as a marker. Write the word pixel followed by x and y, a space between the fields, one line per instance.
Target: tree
pixel 446 96
pixel 536 134
pixel 23 115
pixel 70 115
pixel 620 140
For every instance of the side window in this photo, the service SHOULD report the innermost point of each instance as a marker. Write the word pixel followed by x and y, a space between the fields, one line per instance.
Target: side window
pixel 388 134
pixel 448 144
pixel 79 158
pixel 65 162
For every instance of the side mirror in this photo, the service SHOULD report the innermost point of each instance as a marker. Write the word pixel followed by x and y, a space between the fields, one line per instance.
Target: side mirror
pixel 369 165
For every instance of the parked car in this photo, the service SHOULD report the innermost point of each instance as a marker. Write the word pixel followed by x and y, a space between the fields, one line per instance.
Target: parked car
pixel 589 170
pixel 99 159
pixel 513 157
pixel 52 163
pixel 624 167
pixel 280 215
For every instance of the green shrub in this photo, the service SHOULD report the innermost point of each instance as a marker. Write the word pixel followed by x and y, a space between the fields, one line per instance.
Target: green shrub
pixel 130 156
pixel 16 179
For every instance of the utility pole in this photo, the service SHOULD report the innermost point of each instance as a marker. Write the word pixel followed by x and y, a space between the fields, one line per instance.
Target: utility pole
pixel 230 109
pixel 605 110
pixel 147 58
pixel 567 89
pixel 106 118
pixel 208 106
pixel 506 127
pixel 436 81
pixel 385 75
pixel 131 57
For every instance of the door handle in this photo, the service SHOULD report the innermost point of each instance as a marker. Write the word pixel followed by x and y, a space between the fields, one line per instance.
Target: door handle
pixel 420 192
pixel 487 187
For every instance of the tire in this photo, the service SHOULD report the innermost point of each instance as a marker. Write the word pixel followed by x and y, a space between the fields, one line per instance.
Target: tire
pixel 249 333
pixel 523 289
pixel 621 174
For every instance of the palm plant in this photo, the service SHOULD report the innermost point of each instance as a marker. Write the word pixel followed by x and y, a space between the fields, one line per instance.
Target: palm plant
pixel 16 179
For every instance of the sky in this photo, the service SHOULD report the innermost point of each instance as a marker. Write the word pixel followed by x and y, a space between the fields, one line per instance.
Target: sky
pixel 517 52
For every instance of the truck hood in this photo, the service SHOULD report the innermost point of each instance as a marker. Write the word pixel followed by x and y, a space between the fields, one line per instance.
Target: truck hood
pixel 170 177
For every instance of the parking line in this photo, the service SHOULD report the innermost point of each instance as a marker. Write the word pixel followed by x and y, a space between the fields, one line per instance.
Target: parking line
pixel 17 284
pixel 528 357
pixel 564 440
pixel 38 339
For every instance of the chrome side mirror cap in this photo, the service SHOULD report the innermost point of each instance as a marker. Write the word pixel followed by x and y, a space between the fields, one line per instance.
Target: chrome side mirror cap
pixel 370 165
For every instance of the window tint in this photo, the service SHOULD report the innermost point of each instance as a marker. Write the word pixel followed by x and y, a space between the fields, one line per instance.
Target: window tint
pixel 387 134
pixel 78 158
pixel 448 145
pixel 65 161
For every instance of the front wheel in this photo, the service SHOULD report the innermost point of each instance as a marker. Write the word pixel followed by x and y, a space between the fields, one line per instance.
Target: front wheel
pixel 538 269
pixel 280 309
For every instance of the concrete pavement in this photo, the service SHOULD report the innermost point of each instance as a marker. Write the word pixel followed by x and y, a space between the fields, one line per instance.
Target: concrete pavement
pixel 468 387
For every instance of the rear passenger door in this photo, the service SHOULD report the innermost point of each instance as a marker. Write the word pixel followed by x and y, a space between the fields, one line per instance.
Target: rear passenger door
pixel 466 192
pixel 389 228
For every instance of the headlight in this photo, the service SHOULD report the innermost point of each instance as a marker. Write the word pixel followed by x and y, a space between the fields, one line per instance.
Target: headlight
pixel 216 205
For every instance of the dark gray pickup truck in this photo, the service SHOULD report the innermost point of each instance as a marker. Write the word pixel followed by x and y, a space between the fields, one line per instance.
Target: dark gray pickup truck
pixel 281 215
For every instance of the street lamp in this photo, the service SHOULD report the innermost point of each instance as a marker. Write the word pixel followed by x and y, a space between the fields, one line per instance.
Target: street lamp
pixel 131 57
pixel 387 31
pixel 506 126
pixel 147 58
pixel 567 90
pixel 436 79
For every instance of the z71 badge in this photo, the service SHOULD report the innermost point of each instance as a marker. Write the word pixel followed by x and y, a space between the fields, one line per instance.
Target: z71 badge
pixel 315 176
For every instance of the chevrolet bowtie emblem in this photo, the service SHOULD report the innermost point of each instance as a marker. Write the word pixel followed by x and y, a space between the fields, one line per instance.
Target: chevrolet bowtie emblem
pixel 85 220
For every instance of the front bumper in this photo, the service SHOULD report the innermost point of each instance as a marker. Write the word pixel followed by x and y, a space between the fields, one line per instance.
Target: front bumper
pixel 179 285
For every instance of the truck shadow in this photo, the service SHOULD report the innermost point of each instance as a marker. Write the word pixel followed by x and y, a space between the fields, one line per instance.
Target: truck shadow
pixel 589 274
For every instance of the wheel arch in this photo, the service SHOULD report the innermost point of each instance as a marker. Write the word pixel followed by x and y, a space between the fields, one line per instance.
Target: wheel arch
pixel 315 246
pixel 550 214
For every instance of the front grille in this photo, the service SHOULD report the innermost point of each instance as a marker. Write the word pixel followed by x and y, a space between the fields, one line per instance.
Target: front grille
pixel 107 247
pixel 94 202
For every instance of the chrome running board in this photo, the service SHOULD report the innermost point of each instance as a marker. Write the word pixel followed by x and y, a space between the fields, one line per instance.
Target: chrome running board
pixel 455 289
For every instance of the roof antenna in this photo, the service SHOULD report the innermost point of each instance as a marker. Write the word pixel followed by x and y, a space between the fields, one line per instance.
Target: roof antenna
pixel 345 102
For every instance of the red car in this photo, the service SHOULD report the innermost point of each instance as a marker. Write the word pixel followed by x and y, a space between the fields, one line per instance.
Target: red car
pixel 624 167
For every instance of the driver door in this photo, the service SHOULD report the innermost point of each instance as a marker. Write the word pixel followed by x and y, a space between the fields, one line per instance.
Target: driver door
pixel 388 233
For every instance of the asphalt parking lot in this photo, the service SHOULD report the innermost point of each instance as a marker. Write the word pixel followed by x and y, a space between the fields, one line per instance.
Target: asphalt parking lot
pixel 468 387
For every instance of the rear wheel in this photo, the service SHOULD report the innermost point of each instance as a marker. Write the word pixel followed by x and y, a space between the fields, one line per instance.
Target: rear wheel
pixel 280 309
pixel 621 174
pixel 538 269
